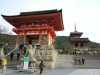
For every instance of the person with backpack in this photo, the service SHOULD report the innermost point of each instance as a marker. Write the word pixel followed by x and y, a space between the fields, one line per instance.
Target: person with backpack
pixel 21 46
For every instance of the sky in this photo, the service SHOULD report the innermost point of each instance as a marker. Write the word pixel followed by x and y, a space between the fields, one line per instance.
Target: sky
pixel 85 13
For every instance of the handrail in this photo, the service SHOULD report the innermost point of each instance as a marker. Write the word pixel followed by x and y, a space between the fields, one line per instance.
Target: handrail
pixel 9 52
pixel 81 51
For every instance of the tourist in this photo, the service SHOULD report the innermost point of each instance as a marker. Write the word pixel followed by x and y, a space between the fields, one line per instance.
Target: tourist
pixel 18 55
pixel 79 61
pixel 0 61
pixel 11 56
pixel 41 66
pixel 21 46
pixel 4 64
pixel 25 48
pixel 75 60
pixel 30 54
pixel 83 59
pixel 75 52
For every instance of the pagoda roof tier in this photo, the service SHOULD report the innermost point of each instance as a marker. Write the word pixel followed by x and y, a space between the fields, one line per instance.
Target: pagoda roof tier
pixel 75 33
pixel 79 40
pixel 51 17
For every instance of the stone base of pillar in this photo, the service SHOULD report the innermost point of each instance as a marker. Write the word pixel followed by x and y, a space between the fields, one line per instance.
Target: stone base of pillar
pixel 31 66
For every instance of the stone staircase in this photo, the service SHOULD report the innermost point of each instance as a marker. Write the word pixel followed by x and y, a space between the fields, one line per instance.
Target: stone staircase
pixel 67 62
pixel 86 52
pixel 13 64
pixel 46 57
pixel 63 61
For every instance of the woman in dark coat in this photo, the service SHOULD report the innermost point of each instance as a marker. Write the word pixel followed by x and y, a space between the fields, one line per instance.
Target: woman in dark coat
pixel 79 61
pixel 41 66
pixel 18 56
pixel 11 56
pixel 83 59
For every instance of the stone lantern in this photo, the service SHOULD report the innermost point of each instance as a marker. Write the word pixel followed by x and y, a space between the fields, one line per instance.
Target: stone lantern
pixel 1 51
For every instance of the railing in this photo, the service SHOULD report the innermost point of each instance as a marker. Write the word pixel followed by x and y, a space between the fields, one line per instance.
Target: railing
pixel 82 48
pixel 9 52
pixel 93 48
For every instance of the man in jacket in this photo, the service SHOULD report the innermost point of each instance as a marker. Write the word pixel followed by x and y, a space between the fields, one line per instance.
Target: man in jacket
pixel 41 66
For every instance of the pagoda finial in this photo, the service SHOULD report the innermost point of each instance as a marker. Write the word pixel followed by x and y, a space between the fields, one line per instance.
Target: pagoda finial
pixel 75 27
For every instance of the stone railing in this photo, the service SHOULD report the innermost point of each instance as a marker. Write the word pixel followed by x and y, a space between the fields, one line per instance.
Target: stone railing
pixel 45 53
pixel 48 54
pixel 82 48
pixel 10 52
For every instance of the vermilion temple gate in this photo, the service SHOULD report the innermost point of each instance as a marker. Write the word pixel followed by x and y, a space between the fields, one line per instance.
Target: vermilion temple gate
pixel 33 25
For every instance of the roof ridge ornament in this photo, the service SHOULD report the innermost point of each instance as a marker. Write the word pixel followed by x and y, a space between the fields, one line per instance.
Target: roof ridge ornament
pixel 75 27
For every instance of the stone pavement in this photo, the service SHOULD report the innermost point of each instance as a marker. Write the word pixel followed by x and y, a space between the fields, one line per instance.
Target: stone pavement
pixel 55 72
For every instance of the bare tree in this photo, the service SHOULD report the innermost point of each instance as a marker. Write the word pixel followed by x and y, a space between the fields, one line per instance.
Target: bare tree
pixel 3 30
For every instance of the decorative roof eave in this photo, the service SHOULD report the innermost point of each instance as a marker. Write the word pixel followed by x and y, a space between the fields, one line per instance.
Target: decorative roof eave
pixel 40 12
pixel 29 16
pixel 80 39
pixel 76 33
pixel 46 14
pixel 22 13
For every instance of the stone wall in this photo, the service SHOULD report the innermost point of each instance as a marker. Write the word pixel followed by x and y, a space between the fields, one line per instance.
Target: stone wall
pixel 48 55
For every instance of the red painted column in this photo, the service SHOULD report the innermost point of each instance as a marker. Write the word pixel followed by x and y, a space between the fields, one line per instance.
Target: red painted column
pixel 86 45
pixel 40 37
pixel 51 40
pixel 24 37
pixel 48 38
pixel 17 39
pixel 78 45
pixel 74 45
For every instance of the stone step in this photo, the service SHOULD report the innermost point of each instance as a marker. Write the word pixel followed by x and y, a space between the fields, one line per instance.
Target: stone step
pixel 67 61
pixel 77 56
pixel 14 63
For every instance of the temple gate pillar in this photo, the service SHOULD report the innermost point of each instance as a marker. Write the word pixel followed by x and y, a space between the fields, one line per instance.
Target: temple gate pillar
pixel 85 45
pixel 40 38
pixel 17 41
pixel 48 35
pixel 50 40
pixel 78 45
pixel 24 37
pixel 73 44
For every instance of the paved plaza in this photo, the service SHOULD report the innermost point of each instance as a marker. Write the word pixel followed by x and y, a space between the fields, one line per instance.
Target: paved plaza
pixel 55 72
